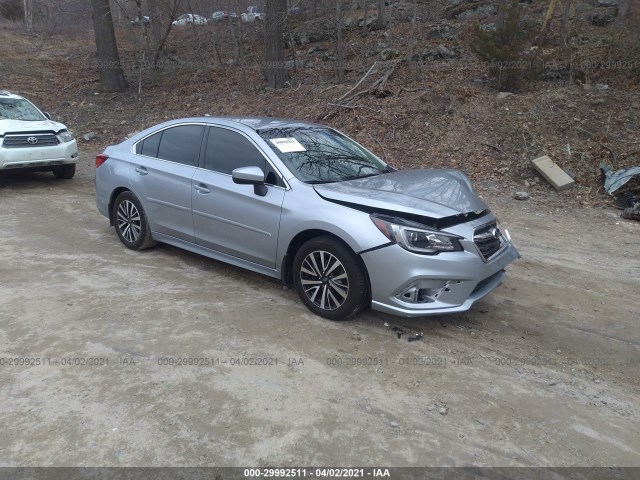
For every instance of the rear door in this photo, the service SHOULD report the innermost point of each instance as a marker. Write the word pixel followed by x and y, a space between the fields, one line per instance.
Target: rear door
pixel 232 218
pixel 161 174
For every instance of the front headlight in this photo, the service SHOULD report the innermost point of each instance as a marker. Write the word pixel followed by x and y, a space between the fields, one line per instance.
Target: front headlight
pixel 65 136
pixel 415 238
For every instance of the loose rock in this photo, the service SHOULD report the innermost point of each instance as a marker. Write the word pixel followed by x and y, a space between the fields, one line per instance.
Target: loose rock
pixel 521 196
pixel 445 52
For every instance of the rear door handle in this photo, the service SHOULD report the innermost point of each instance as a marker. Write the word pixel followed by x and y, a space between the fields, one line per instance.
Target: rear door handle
pixel 142 171
pixel 202 189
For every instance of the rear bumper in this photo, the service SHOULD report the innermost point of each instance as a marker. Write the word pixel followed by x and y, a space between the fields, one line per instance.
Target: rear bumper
pixel 412 285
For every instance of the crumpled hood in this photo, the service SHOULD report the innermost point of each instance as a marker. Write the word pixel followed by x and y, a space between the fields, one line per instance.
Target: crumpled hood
pixel 11 126
pixel 431 193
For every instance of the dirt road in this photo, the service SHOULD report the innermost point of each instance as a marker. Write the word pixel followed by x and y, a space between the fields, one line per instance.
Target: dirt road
pixel 545 371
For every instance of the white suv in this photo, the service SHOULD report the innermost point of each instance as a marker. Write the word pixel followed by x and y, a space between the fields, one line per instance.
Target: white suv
pixel 29 139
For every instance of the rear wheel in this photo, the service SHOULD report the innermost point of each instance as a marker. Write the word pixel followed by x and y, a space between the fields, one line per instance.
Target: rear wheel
pixel 329 279
pixel 65 172
pixel 131 222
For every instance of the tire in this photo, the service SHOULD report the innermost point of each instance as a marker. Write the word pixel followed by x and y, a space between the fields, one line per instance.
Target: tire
pixel 329 279
pixel 131 222
pixel 65 172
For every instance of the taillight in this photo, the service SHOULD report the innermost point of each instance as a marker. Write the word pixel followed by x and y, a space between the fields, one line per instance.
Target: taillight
pixel 100 159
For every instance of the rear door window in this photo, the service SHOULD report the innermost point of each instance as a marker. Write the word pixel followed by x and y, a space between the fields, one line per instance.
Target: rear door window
pixel 181 144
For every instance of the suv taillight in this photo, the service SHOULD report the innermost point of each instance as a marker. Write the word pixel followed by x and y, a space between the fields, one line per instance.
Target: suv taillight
pixel 100 159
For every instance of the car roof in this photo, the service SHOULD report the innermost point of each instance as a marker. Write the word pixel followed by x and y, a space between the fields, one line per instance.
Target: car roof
pixel 246 124
pixel 253 123
pixel 268 123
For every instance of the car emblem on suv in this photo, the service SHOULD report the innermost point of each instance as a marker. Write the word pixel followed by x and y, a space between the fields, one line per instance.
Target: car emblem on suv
pixel 32 140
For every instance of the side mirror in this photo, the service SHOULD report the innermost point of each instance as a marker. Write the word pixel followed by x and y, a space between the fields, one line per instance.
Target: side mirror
pixel 250 176
pixel 47 114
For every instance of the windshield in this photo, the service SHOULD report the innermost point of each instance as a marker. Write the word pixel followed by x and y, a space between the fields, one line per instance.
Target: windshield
pixel 322 155
pixel 18 109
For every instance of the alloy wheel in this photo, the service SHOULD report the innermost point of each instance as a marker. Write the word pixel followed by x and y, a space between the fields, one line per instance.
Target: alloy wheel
pixel 129 221
pixel 324 280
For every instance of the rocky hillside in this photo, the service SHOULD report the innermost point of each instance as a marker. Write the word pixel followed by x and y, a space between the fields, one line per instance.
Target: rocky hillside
pixel 428 100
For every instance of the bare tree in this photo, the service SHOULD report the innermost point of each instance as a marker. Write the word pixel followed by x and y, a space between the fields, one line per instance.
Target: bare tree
pixel 364 22
pixel 547 22
pixel 339 43
pixel 240 36
pixel 502 12
pixel 109 68
pixel 156 24
pixel 28 14
pixel 382 18
pixel 412 38
pixel 166 12
pixel 623 8
pixel 276 11
pixel 565 23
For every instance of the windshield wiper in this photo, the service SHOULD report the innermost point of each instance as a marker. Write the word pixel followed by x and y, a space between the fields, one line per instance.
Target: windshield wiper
pixel 358 177
pixel 319 182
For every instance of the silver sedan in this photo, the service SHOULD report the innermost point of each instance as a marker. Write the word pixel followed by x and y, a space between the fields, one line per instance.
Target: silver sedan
pixel 310 206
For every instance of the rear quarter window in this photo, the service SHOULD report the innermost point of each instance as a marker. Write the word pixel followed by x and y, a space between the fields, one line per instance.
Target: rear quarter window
pixel 149 146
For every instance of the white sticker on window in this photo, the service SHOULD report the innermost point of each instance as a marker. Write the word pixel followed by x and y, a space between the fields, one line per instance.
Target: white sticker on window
pixel 288 145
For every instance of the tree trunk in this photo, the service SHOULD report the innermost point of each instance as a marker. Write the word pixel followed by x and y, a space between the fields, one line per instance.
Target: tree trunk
pixel 240 38
pixel 412 38
pixel 503 11
pixel 547 20
pixel 382 19
pixel 565 25
pixel 156 25
pixel 339 44
pixel 28 14
pixel 276 11
pixel 623 8
pixel 167 13
pixel 109 68
pixel 364 23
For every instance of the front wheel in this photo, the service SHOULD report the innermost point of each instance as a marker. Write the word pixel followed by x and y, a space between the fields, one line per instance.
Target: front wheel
pixel 131 222
pixel 65 172
pixel 329 279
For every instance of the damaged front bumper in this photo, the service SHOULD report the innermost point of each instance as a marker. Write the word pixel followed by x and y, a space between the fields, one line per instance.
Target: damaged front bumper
pixel 411 285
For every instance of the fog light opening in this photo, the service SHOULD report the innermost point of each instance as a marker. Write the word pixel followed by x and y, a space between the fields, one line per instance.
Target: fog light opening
pixel 426 291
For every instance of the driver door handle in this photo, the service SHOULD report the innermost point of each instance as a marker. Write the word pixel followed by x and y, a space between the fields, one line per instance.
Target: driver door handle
pixel 142 171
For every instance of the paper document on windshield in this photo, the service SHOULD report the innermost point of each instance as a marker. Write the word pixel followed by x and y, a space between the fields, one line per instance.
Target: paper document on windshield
pixel 288 145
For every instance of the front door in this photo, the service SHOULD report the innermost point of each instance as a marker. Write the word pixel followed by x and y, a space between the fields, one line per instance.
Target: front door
pixel 231 218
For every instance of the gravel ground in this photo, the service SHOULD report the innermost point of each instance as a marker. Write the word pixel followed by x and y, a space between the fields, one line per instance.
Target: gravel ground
pixel 544 371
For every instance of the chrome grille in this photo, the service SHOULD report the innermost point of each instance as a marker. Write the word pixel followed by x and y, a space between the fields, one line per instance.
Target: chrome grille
pixel 30 140
pixel 488 240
